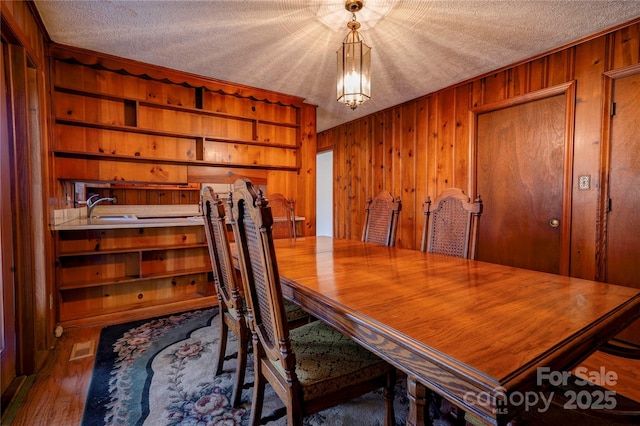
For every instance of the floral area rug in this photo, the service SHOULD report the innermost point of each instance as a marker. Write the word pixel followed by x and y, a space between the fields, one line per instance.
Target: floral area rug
pixel 160 372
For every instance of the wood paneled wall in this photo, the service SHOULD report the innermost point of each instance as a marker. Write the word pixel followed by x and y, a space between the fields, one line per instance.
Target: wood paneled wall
pixel 423 146
pixel 26 102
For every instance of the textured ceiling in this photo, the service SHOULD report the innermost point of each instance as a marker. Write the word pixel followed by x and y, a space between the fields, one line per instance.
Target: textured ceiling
pixel 289 46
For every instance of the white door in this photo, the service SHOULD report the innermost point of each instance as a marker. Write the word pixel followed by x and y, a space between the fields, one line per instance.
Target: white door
pixel 324 193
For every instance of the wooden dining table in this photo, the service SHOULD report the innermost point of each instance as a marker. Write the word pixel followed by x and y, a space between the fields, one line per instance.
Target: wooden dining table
pixel 484 336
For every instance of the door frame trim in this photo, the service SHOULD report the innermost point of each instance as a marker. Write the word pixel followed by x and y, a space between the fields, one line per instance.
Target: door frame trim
pixel 608 80
pixel 569 91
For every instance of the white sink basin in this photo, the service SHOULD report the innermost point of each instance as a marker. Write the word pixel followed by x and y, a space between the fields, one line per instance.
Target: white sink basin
pixel 116 217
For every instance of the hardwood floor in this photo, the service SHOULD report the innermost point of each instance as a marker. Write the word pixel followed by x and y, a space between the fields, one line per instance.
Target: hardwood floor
pixel 58 393
pixel 59 390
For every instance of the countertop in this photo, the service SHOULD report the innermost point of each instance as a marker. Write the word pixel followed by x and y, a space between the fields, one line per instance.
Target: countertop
pixel 131 216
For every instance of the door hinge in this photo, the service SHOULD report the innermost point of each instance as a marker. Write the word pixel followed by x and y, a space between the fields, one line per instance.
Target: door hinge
pixel 609 205
pixel 613 109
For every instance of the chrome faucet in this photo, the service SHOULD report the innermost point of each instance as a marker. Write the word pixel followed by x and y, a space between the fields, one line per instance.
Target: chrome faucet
pixel 92 204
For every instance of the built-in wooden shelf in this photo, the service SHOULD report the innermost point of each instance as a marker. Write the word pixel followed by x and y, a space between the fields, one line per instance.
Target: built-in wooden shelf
pixel 153 132
pixel 127 280
pixel 129 158
pixel 181 108
pixel 102 271
pixel 200 136
pixel 128 250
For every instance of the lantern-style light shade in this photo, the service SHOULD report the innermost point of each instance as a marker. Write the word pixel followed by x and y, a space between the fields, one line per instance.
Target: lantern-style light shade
pixel 354 69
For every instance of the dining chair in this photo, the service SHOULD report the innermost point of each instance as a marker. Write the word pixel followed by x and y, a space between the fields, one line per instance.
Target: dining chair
pixel 228 288
pixel 451 226
pixel 311 367
pixel 283 211
pixel 381 219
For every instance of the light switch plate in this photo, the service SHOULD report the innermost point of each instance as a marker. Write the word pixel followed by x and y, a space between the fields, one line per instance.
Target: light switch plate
pixel 584 182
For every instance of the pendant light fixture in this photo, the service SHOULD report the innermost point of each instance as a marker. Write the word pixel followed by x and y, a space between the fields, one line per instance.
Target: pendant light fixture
pixel 354 63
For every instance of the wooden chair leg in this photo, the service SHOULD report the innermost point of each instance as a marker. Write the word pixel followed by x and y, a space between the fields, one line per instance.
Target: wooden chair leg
pixel 460 418
pixel 295 413
pixel 259 383
pixel 222 344
pixel 389 394
pixel 243 343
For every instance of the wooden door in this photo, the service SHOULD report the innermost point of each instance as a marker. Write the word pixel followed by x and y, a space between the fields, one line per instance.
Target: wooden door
pixel 7 294
pixel 623 219
pixel 520 174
